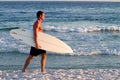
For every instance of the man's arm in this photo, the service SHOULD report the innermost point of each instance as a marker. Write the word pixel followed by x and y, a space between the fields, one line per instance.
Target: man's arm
pixel 36 31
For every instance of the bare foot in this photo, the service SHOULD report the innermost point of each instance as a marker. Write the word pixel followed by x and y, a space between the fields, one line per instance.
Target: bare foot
pixel 25 71
pixel 43 71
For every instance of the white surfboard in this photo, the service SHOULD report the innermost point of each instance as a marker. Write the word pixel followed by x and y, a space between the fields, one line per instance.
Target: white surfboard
pixel 46 41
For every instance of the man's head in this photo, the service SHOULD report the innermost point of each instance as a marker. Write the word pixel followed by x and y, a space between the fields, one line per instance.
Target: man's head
pixel 41 15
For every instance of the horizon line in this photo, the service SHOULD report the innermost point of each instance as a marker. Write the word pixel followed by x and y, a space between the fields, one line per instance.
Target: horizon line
pixel 64 0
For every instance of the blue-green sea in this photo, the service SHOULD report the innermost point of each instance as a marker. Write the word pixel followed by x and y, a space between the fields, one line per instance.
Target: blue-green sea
pixel 92 29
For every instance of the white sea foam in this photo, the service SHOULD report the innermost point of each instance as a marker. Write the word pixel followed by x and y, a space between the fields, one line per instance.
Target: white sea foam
pixel 81 29
pixel 61 74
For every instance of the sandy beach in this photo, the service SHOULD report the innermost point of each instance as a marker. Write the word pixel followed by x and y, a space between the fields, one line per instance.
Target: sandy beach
pixel 61 74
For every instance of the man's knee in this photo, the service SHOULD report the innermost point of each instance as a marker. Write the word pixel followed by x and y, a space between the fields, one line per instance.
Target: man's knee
pixel 44 55
pixel 30 57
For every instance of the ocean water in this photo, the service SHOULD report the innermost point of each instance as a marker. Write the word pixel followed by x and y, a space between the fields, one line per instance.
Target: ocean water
pixel 92 29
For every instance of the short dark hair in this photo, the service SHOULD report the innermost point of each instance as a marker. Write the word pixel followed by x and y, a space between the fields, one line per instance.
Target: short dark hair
pixel 39 13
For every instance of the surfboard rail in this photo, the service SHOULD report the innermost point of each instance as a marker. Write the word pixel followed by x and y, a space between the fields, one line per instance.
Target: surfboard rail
pixel 47 42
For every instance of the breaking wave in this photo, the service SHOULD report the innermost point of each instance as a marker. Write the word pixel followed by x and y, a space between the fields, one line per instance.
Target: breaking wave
pixel 81 29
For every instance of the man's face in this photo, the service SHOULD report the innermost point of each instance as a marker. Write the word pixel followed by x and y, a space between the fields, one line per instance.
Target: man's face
pixel 42 16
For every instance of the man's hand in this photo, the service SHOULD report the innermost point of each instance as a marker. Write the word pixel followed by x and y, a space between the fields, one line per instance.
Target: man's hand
pixel 38 46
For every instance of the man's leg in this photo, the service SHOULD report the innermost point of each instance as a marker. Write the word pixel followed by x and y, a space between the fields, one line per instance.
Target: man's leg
pixel 28 60
pixel 43 62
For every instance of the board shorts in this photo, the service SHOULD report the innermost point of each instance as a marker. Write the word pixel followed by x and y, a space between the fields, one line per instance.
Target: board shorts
pixel 35 52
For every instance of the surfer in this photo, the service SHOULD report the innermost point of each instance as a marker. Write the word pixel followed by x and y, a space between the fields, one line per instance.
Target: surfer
pixel 37 27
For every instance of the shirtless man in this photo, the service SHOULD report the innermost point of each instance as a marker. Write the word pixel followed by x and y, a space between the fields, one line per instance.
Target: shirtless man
pixel 37 27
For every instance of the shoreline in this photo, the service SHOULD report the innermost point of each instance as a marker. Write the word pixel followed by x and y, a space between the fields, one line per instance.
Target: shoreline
pixel 61 74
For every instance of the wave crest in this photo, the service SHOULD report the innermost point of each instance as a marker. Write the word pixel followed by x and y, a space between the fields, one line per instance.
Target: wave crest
pixel 81 29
